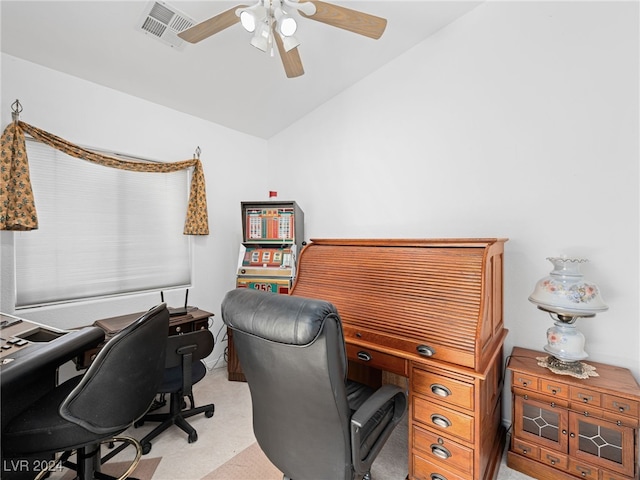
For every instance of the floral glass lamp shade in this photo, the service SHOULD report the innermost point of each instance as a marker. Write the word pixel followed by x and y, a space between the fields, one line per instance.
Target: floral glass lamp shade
pixel 566 296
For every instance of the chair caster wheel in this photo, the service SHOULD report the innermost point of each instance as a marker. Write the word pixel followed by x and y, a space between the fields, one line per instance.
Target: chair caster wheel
pixel 193 437
pixel 146 448
pixel 208 413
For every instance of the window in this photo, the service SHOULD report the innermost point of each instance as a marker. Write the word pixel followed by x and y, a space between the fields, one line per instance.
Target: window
pixel 102 231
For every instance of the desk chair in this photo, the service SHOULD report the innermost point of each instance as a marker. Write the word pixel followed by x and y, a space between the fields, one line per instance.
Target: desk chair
pixel 91 409
pixel 183 369
pixel 310 421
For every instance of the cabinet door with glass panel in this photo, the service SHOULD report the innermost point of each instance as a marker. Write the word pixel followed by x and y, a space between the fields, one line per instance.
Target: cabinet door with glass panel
pixel 543 423
pixel 607 444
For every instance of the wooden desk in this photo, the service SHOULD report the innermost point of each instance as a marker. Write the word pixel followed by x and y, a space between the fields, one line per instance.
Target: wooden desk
pixel 195 319
pixel 429 310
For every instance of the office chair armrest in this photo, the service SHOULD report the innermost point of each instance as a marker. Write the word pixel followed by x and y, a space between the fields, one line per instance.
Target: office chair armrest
pixel 365 450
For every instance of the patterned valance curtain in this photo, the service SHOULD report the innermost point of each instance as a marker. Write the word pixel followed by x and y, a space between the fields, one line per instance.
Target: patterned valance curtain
pixel 17 206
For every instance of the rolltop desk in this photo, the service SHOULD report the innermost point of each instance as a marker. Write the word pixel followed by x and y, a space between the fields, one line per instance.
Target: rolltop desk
pixel 429 310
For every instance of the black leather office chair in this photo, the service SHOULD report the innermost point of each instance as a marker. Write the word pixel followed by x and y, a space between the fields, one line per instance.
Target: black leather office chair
pixel 91 409
pixel 184 368
pixel 310 421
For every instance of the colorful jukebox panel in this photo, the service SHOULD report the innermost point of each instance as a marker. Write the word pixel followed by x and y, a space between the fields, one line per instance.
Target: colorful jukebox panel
pixel 275 285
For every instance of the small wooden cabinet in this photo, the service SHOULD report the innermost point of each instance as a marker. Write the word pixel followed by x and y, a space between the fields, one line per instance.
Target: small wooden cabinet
pixel 565 427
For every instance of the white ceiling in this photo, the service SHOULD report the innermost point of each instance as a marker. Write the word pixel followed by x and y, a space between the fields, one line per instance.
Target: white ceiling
pixel 222 79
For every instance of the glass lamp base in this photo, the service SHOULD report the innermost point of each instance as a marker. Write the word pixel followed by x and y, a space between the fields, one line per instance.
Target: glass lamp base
pixel 561 367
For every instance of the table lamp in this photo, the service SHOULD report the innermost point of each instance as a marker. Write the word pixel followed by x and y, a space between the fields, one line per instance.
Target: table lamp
pixel 566 296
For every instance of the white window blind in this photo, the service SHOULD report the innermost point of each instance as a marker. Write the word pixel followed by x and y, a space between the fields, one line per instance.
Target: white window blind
pixel 102 231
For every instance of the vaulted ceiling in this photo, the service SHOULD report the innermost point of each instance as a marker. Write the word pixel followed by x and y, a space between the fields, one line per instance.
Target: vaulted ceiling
pixel 222 79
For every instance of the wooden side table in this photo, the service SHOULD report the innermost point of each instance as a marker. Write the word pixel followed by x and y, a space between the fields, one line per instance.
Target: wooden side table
pixel 568 428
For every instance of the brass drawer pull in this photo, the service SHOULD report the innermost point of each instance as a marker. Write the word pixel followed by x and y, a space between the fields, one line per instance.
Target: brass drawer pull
pixel 585 397
pixel 364 356
pixel 622 406
pixel 437 476
pixel 425 350
pixel 440 451
pixel 440 420
pixel 440 390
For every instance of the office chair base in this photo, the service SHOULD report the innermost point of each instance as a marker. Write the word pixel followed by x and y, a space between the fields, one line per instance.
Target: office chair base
pixel 176 417
pixel 88 462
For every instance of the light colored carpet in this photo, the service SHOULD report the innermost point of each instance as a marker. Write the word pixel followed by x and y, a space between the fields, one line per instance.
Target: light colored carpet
pixel 250 464
pixel 227 450
pixel 144 471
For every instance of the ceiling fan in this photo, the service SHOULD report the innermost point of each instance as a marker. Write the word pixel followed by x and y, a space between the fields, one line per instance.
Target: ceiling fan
pixel 271 22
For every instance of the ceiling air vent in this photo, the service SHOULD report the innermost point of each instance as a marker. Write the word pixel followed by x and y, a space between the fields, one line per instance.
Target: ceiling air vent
pixel 164 22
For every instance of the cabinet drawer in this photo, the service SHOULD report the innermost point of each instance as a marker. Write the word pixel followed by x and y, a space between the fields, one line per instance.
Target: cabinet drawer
pixel 423 469
pixel 551 401
pixel 555 459
pixel 555 389
pixel 583 396
pixel 583 470
pixel 443 388
pixel 376 359
pixel 620 405
pixel 525 448
pixel 588 411
pixel 621 420
pixel 443 419
pixel 524 381
pixel 605 475
pixel 442 451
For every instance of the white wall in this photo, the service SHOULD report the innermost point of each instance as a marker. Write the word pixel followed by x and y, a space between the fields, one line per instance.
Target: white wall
pixel 519 120
pixel 91 115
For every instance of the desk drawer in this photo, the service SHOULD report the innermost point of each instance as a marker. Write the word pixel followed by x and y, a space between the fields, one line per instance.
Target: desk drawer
pixel 443 389
pixel 376 359
pixel 423 469
pixel 181 328
pixel 441 451
pixel 443 419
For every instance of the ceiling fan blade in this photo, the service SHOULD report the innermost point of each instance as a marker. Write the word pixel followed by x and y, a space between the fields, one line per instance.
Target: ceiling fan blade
pixel 347 19
pixel 290 60
pixel 212 26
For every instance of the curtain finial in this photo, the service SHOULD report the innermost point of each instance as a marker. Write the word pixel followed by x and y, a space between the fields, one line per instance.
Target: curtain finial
pixel 16 109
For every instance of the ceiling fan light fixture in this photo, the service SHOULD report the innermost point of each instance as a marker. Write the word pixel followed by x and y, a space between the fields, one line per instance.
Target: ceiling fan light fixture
pixel 251 16
pixel 289 42
pixel 248 21
pixel 261 38
pixel 287 26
